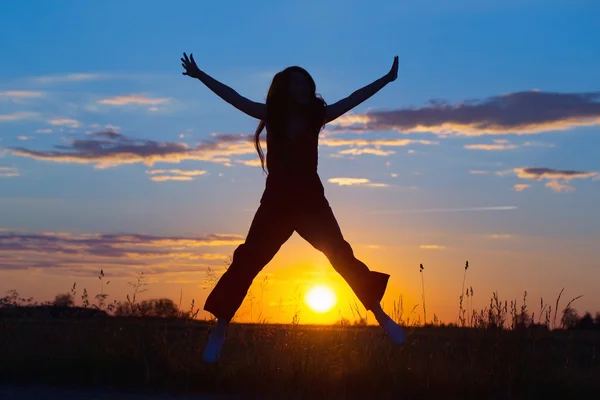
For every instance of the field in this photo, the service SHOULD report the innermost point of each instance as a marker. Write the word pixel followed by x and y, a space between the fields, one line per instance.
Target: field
pixel 297 361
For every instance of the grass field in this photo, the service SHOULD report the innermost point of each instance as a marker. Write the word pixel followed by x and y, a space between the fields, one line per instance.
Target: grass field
pixel 297 361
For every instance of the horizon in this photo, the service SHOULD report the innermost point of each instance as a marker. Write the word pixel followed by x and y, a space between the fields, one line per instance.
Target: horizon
pixel 482 150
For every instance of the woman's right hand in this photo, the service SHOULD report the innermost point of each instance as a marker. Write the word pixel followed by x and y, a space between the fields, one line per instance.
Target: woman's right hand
pixel 191 69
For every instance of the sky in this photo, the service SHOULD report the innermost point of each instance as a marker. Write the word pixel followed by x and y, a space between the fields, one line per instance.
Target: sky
pixel 484 149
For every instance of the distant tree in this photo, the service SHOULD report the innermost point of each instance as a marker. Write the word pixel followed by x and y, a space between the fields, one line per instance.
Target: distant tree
pixel 597 320
pixel 64 300
pixel 586 322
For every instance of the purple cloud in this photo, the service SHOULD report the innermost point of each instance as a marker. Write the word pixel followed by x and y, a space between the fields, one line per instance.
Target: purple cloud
pixel 526 112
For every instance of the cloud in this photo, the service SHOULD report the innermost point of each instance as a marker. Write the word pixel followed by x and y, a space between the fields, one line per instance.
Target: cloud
pixel 519 187
pixel 123 254
pixel 361 146
pixel 194 172
pixel 65 122
pixel 479 172
pixel 21 94
pixel 133 99
pixel 161 175
pixel 77 77
pixel 23 137
pixel 8 172
pixel 499 236
pixel 163 178
pixel 432 247
pixel 17 116
pixel 43 131
pixel 497 145
pixel 554 176
pixel 437 210
pixel 526 112
pixel 559 187
pixel 355 182
pixel 539 173
pixel 376 152
pixel 250 163
pixel 109 149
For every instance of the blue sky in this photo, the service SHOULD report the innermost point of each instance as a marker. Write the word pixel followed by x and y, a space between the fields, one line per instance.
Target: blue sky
pixel 517 136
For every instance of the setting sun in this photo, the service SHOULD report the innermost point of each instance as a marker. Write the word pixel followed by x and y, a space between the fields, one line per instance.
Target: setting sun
pixel 320 298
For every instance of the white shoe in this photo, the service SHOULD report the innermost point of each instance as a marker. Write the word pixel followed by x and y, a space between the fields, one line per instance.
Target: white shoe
pixel 394 331
pixel 213 348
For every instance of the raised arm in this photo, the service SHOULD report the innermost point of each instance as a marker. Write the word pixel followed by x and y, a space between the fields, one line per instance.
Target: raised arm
pixel 341 107
pixel 247 106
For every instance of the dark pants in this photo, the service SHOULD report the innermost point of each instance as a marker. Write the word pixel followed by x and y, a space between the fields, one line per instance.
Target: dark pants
pixel 283 210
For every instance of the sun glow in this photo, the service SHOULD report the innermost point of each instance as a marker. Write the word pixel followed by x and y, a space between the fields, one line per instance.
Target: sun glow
pixel 320 298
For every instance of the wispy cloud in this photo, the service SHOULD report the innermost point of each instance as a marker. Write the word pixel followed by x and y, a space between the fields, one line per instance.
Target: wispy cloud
pixel 479 172
pixel 499 236
pixel 17 116
pixel 163 178
pixel 43 131
pixel 8 172
pixel 359 146
pixel 23 137
pixel 75 77
pixel 161 175
pixel 367 150
pixel 21 94
pixel 526 112
pixel 65 122
pixel 133 99
pixel 355 182
pixel 123 254
pixel 432 247
pixel 497 145
pixel 109 149
pixel 519 187
pixel 442 210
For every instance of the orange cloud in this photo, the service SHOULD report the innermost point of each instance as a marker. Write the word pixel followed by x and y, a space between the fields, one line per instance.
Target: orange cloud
pixel 133 99
pixel 519 187
pixel 432 247
pixel 355 182
pixel 376 152
pixel 559 187
pixel 171 178
pixel 194 172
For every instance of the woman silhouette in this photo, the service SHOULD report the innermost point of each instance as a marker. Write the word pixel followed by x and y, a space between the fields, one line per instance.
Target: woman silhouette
pixel 294 198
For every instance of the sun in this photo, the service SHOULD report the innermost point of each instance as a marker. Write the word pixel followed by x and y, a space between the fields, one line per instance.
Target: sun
pixel 320 298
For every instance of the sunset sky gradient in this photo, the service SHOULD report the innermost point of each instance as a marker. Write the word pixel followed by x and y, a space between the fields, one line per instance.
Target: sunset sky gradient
pixel 484 149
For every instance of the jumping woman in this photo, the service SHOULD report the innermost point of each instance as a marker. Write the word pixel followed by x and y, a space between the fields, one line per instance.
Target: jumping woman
pixel 294 198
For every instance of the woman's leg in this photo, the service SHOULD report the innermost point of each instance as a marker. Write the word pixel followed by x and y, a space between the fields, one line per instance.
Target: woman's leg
pixel 318 225
pixel 270 228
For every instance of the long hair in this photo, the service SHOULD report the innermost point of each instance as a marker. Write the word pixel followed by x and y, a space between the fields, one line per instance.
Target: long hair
pixel 279 103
